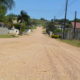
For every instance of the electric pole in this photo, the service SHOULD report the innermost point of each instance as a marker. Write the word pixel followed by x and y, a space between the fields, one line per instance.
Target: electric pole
pixel 54 18
pixel 66 8
pixel 75 24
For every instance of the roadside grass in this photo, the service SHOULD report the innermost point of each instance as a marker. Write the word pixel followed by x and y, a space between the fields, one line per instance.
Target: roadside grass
pixel 72 42
pixel 7 36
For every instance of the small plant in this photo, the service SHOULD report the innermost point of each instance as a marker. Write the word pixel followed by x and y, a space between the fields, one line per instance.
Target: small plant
pixel 56 36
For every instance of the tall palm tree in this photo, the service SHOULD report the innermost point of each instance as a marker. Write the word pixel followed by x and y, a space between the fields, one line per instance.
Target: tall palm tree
pixel 24 17
pixel 8 4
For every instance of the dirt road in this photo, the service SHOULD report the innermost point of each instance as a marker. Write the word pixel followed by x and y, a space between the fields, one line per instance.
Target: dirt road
pixel 38 57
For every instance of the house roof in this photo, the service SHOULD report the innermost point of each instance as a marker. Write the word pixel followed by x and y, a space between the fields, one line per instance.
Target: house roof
pixel 77 24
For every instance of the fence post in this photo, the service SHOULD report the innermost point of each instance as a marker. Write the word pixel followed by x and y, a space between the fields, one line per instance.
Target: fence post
pixel 75 25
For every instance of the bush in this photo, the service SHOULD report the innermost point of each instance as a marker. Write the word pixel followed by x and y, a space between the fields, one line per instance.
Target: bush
pixel 56 36
pixel 17 26
pixel 57 30
pixel 22 27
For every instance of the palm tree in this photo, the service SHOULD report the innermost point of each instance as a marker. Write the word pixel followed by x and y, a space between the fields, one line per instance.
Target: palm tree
pixel 24 21
pixel 24 17
pixel 8 4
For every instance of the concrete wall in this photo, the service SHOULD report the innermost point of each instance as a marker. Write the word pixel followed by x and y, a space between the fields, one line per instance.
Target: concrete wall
pixel 3 30
pixel 14 32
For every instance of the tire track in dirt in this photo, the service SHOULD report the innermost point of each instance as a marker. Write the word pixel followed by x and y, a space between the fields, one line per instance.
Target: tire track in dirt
pixel 38 57
pixel 69 69
pixel 73 63
pixel 61 73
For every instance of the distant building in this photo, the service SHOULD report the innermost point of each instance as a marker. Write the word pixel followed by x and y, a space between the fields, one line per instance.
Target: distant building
pixel 77 25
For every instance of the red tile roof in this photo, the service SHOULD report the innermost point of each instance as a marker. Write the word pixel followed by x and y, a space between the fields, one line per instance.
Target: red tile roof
pixel 77 24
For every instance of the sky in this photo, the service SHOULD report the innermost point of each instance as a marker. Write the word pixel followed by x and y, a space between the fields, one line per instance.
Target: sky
pixel 47 8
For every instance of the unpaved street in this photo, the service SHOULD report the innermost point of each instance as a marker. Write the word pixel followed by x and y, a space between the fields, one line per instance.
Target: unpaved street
pixel 38 57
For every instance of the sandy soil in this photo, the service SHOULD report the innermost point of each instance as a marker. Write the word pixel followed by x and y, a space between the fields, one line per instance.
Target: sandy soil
pixel 38 57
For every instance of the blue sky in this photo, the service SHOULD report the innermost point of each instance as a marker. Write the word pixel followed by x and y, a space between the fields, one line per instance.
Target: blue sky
pixel 46 8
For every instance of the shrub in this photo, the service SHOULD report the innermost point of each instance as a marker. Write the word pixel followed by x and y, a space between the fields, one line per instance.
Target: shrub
pixel 17 26
pixel 57 30
pixel 56 36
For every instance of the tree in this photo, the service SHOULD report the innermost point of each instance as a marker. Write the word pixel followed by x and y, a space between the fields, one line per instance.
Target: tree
pixel 24 21
pixel 43 19
pixel 9 19
pixel 24 17
pixel 2 13
pixel 8 4
pixel 50 26
pixel 4 6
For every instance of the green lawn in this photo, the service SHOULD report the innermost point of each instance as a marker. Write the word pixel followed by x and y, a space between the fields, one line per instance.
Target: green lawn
pixel 72 42
pixel 7 36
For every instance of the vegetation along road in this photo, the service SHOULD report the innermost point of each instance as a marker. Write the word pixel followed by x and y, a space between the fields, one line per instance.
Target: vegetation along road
pixel 38 57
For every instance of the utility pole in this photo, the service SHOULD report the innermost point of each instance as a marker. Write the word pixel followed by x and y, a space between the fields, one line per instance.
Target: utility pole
pixel 54 18
pixel 65 19
pixel 75 24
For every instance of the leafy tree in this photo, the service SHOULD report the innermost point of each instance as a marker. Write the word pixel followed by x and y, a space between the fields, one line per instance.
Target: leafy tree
pixel 38 22
pixel 43 19
pixel 77 20
pixel 24 21
pixel 4 6
pixel 50 26
pixel 8 20
pixel 61 22
pixel 8 4
pixel 2 13
pixel 11 17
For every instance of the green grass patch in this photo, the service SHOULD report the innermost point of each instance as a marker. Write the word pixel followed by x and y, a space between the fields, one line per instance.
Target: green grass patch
pixel 7 36
pixel 72 42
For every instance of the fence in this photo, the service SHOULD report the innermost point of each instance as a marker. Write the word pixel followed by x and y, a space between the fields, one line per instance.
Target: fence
pixel 70 34
pixel 3 30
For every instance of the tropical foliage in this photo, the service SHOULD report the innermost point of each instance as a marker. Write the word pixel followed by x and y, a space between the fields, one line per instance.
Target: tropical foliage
pixel 50 26
pixel 24 17
pixel 4 6
pixel 8 4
